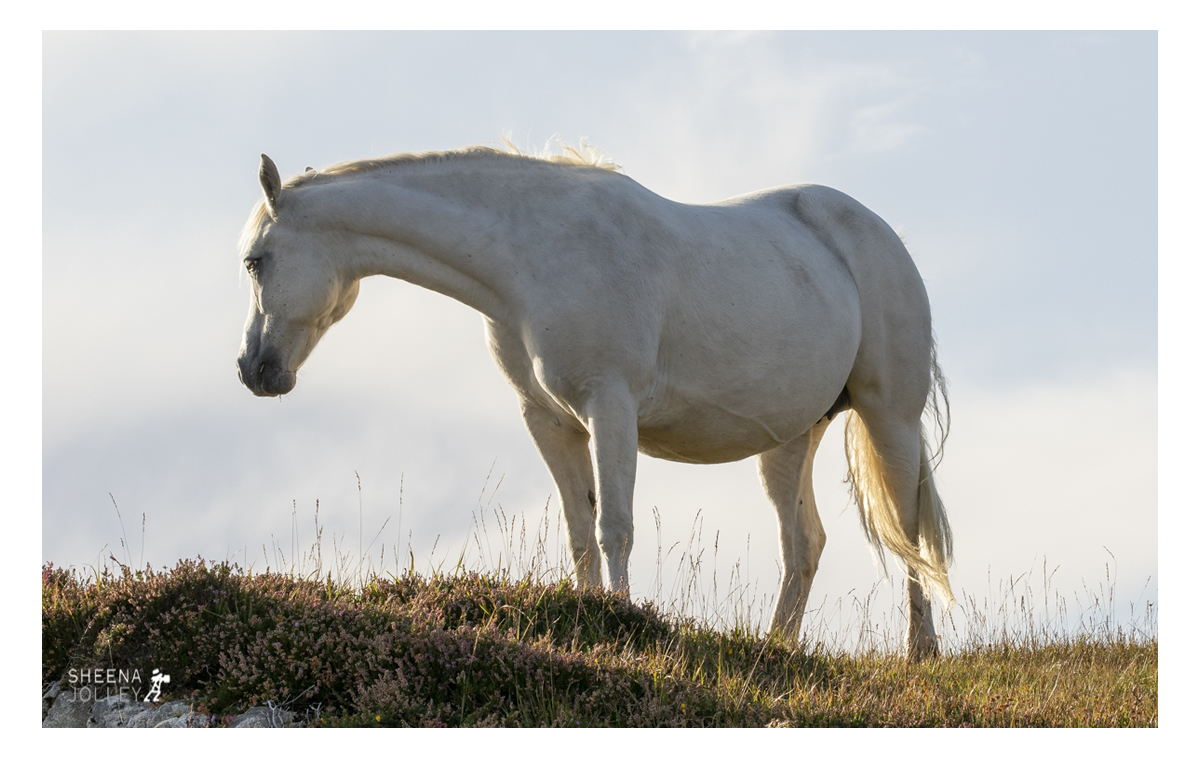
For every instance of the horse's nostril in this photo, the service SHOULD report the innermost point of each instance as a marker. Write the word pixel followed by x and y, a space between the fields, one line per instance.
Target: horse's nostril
pixel 261 367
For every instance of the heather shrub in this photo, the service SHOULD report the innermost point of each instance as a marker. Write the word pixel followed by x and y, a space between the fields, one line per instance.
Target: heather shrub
pixel 462 650
pixel 68 605
pixel 582 617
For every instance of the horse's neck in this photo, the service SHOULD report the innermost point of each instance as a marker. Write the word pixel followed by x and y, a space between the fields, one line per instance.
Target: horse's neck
pixel 446 233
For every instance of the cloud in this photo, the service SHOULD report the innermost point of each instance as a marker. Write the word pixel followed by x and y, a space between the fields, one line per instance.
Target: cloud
pixel 741 113
pixel 879 128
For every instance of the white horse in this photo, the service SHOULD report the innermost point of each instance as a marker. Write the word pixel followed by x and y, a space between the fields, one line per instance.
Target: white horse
pixel 626 322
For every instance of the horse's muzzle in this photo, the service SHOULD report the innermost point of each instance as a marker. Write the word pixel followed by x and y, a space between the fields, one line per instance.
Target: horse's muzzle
pixel 265 378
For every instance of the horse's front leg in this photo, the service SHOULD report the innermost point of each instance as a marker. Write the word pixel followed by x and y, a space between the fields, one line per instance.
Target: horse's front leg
pixel 564 450
pixel 611 417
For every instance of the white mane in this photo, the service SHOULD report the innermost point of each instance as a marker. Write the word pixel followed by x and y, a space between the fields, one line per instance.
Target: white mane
pixel 585 156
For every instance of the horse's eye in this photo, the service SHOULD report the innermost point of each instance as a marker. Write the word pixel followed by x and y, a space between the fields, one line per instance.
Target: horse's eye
pixel 252 265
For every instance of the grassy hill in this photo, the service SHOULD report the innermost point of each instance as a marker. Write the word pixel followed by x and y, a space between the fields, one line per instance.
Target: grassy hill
pixel 476 649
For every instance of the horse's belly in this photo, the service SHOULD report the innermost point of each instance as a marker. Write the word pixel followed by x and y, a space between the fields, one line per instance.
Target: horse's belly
pixel 712 434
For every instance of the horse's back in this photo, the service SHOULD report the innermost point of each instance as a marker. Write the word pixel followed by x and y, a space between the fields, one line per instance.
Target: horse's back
pixel 736 326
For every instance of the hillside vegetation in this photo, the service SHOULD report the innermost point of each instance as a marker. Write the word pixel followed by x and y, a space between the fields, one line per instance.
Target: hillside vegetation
pixel 490 649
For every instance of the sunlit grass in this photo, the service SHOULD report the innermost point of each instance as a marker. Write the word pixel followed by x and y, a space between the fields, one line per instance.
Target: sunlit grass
pixel 502 637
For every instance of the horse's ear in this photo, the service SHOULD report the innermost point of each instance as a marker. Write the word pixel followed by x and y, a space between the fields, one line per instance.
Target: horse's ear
pixel 308 168
pixel 268 175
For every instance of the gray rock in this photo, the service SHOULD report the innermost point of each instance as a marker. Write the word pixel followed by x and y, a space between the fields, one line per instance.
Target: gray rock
pixel 71 709
pixel 116 711
pixel 189 720
pixel 263 717
pixel 76 708
pixel 48 698
pixel 152 717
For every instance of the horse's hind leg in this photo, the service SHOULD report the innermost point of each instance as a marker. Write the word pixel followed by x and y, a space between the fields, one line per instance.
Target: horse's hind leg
pixel 565 452
pixel 786 474
pixel 897 466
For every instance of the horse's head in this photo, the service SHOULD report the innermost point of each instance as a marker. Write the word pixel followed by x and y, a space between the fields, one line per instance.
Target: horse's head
pixel 298 290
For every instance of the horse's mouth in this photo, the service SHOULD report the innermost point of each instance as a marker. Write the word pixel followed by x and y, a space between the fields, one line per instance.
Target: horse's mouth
pixel 266 378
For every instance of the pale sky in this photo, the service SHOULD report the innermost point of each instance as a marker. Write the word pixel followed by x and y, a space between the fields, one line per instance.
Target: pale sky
pixel 1020 169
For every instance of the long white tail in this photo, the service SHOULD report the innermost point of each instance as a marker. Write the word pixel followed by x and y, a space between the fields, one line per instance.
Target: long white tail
pixel 879 511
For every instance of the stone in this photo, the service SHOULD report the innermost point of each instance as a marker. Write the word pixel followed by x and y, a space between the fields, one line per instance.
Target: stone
pixel 71 710
pixel 115 711
pixel 263 717
pixel 189 720
pixel 78 708
pixel 152 717
pixel 48 698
